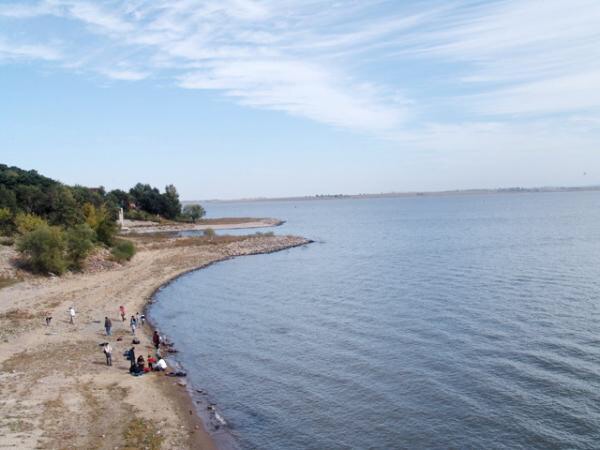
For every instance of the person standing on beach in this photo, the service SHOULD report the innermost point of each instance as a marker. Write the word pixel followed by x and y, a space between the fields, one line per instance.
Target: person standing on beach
pixel 108 353
pixel 156 339
pixel 122 311
pixel 48 319
pixel 107 325
pixel 72 314
pixel 132 324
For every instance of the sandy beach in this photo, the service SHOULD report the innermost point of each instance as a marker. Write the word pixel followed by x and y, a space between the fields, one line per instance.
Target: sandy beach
pixel 56 389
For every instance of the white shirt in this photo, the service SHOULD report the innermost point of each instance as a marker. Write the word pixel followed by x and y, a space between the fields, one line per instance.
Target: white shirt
pixel 72 312
pixel 161 364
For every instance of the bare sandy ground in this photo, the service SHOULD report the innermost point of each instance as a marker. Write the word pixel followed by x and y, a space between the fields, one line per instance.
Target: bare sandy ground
pixel 55 388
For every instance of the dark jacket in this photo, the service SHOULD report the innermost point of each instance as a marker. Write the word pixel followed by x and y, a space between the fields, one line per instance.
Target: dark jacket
pixel 107 323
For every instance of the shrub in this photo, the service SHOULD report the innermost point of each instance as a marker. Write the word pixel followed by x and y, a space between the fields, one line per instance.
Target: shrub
pixel 105 231
pixel 123 250
pixel 136 214
pixel 44 249
pixel 26 223
pixel 6 221
pixel 209 233
pixel 79 242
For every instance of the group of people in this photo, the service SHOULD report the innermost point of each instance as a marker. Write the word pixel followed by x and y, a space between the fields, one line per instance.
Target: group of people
pixel 70 313
pixel 134 322
pixel 139 365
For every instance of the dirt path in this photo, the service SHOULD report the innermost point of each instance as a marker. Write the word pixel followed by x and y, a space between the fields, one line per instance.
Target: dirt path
pixel 55 388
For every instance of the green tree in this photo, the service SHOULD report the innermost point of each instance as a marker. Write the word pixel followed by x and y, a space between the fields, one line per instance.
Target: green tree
pixel 120 199
pixel 171 207
pixel 193 212
pixel 8 198
pixel 44 249
pixel 62 207
pixel 147 198
pixel 6 221
pixel 79 243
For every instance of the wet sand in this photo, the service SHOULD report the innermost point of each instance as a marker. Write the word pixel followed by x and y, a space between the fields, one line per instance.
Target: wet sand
pixel 55 388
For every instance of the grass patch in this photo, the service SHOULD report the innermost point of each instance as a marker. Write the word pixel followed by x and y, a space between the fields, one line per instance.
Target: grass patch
pixel 141 433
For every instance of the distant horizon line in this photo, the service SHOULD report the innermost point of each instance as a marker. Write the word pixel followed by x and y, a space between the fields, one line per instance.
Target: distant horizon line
pixel 470 191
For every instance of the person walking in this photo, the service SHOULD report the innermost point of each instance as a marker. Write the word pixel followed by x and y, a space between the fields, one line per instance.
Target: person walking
pixel 107 325
pixel 72 314
pixel 48 319
pixel 132 324
pixel 108 353
pixel 122 311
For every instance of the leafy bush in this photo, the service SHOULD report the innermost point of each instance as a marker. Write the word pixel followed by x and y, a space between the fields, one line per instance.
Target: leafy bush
pixel 44 248
pixel 136 214
pixel 123 250
pixel 6 222
pixel 79 242
pixel 106 230
pixel 209 233
pixel 26 223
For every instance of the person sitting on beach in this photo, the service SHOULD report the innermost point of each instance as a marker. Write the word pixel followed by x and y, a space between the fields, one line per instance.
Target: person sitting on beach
pixel 141 361
pixel 160 365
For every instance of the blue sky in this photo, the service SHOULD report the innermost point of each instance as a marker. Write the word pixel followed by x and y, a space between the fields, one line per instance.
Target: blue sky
pixel 245 98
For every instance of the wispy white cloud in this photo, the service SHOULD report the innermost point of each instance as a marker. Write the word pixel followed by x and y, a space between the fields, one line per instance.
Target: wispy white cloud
pixel 11 51
pixel 311 58
pixel 127 75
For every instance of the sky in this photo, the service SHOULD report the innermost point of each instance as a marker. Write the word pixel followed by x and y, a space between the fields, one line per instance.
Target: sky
pixel 268 98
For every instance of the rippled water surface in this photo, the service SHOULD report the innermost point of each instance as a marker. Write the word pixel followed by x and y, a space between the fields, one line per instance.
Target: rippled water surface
pixel 427 322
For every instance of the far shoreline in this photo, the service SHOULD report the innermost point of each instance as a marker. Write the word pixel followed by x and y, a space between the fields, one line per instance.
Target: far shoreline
pixel 408 194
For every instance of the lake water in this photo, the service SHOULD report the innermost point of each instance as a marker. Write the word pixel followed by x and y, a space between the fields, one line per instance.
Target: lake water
pixel 424 322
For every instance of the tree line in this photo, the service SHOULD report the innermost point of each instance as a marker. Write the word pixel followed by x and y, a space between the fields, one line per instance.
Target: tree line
pixel 57 225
